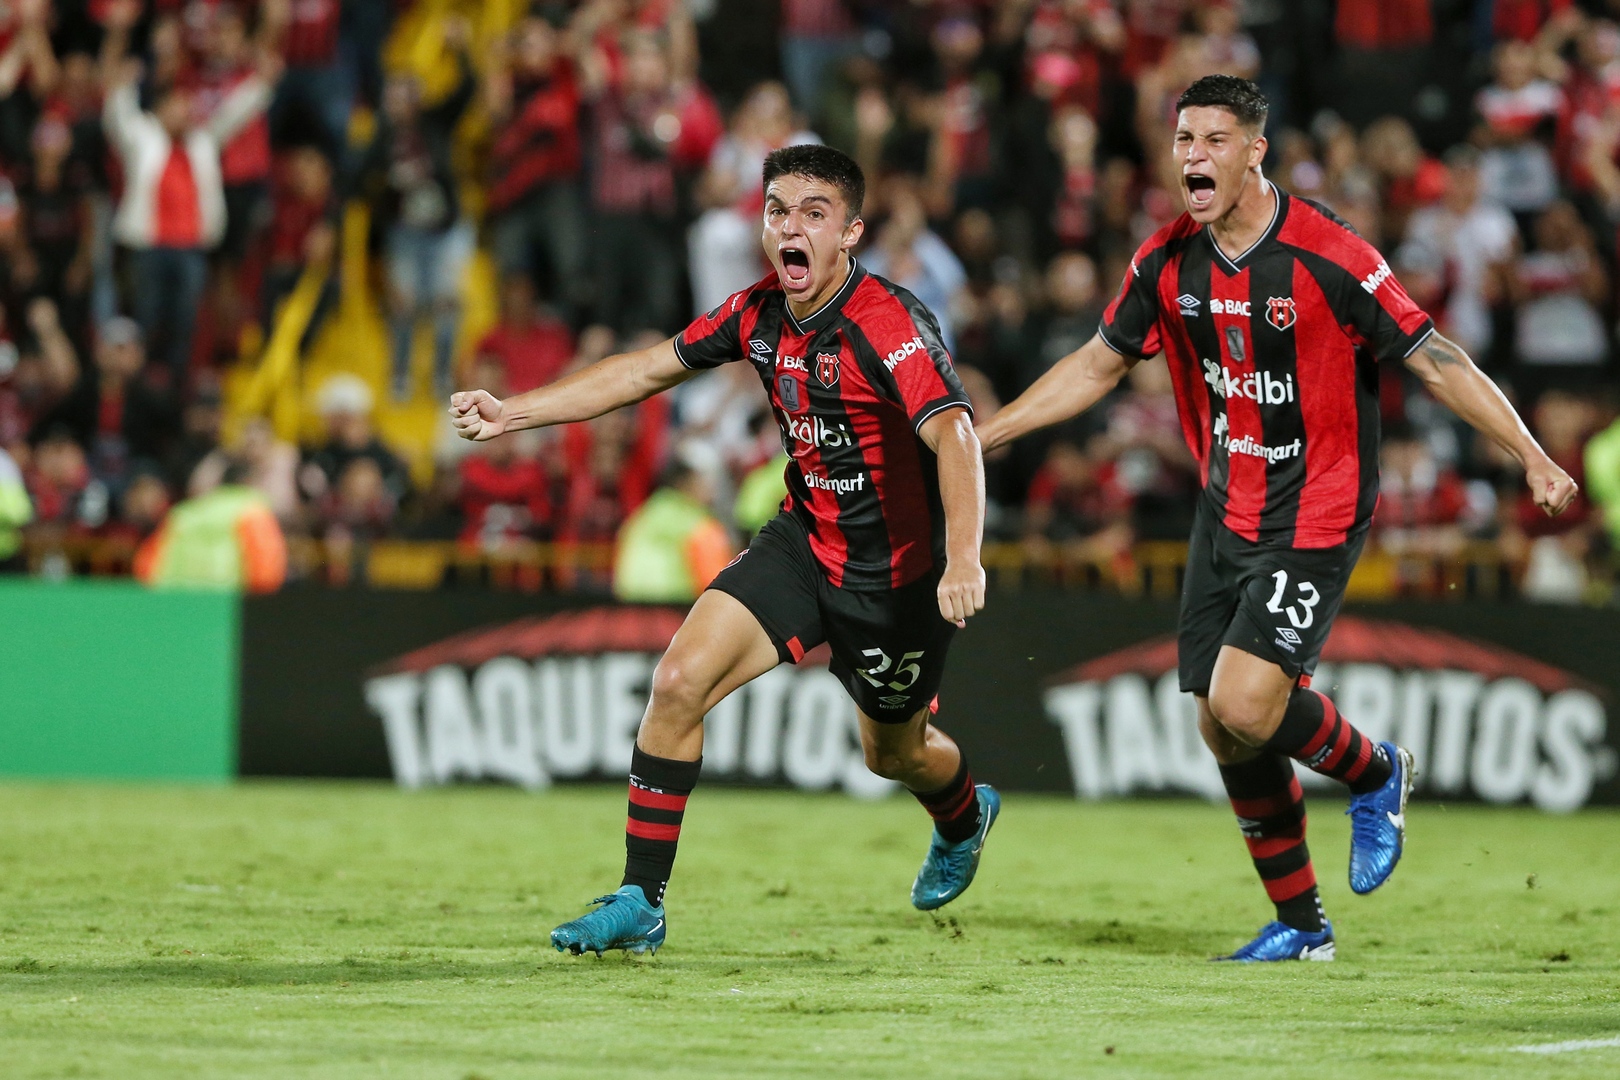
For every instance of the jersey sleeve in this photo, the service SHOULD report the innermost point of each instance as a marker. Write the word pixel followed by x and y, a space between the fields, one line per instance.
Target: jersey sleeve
pixel 715 338
pixel 1130 324
pixel 909 363
pixel 1366 297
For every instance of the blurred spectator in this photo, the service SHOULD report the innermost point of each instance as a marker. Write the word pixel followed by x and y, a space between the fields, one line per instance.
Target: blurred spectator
pixel 1152 463
pixel 51 253
pixel 304 224
pixel 1555 550
pixel 16 510
pixel 723 247
pixel 1421 504
pixel 1471 242
pixel 911 255
pixel 345 404
pixel 317 89
pixel 816 35
pixel 1516 170
pixel 119 418
pixel 57 478
pixel 1077 511
pixel 173 206
pixel 428 238
pixel 651 124
pixel 537 212
pixel 529 346
pixel 1559 289
pixel 504 494
pixel 673 545
pixel 40 374
pixel 225 538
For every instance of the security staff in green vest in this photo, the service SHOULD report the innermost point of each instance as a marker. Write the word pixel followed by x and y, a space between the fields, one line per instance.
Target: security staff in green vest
pixel 673 546
pixel 16 510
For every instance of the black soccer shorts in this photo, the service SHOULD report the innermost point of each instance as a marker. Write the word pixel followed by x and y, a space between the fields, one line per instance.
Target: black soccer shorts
pixel 888 646
pixel 1273 602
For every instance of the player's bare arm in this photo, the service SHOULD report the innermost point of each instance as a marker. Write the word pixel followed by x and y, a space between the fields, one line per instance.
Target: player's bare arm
pixel 604 386
pixel 1453 378
pixel 950 436
pixel 1069 387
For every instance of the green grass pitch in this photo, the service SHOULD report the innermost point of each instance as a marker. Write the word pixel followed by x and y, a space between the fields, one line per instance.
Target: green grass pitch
pixel 338 930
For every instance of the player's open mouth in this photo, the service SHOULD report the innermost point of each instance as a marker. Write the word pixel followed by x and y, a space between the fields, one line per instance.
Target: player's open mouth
pixel 795 266
pixel 1200 191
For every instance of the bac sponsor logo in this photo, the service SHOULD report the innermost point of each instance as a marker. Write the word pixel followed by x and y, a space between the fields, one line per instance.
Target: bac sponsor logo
pixel 1480 719
pixel 892 361
pixel 1261 386
pixel 814 431
pixel 1218 306
pixel 1370 283
pixel 827 369
pixel 1189 305
pixel 791 363
pixel 838 485
pixel 1280 312
pixel 561 697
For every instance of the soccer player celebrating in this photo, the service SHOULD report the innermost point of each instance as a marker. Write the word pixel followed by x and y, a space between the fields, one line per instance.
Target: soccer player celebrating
pixel 875 552
pixel 1271 313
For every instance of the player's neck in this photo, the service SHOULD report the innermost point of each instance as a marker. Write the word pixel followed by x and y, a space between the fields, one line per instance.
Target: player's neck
pixel 803 309
pixel 1241 227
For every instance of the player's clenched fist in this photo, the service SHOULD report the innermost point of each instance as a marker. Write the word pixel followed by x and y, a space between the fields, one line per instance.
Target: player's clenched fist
pixel 961 592
pixel 1550 486
pixel 477 415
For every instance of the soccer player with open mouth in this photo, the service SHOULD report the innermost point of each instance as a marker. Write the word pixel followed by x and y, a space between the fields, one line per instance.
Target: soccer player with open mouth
pixel 1272 314
pixel 875 551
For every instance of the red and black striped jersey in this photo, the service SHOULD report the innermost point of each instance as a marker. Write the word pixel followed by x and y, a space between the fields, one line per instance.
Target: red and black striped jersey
pixel 1273 359
pixel 850 386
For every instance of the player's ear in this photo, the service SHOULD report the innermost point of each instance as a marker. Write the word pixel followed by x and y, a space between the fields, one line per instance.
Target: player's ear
pixel 852 234
pixel 1257 151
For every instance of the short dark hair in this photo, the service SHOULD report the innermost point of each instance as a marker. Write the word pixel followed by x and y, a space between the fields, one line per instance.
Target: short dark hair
pixel 816 162
pixel 1240 97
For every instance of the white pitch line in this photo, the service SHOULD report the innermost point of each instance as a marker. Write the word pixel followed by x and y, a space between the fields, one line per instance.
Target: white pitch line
pixel 1567 1047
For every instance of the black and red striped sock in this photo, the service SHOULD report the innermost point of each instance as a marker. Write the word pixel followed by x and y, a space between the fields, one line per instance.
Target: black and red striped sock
pixel 954 807
pixel 1270 810
pixel 658 791
pixel 1317 735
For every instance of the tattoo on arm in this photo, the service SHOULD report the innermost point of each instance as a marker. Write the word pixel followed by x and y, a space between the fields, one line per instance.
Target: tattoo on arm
pixel 1442 351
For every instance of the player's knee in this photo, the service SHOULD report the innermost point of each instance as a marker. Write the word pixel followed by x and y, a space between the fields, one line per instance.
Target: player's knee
pixel 1243 716
pixel 677 687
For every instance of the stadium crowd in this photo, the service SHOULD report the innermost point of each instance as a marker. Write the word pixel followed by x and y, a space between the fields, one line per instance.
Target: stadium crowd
pixel 169 169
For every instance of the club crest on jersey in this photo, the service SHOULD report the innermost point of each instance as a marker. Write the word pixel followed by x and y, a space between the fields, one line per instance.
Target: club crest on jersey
pixel 1280 312
pixel 827 369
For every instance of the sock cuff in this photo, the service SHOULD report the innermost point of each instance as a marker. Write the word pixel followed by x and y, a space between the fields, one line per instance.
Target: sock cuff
pixel 663 774
pixel 952 789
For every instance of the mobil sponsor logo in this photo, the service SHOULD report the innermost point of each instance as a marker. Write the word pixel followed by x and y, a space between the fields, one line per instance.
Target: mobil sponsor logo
pixel 815 431
pixel 1382 274
pixel 1481 720
pixel 892 361
pixel 1261 386
pixel 560 698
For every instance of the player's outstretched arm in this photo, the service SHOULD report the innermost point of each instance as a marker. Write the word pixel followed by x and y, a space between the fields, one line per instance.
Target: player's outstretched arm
pixel 604 386
pixel 1069 387
pixel 949 434
pixel 1452 378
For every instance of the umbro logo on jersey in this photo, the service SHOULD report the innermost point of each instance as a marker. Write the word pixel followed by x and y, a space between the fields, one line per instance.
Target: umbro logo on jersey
pixel 759 352
pixel 1289 634
pixel 1280 312
pixel 1189 304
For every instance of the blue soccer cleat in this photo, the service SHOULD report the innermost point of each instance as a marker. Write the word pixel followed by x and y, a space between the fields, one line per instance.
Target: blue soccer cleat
pixel 1279 941
pixel 1378 824
pixel 624 921
pixel 949 868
